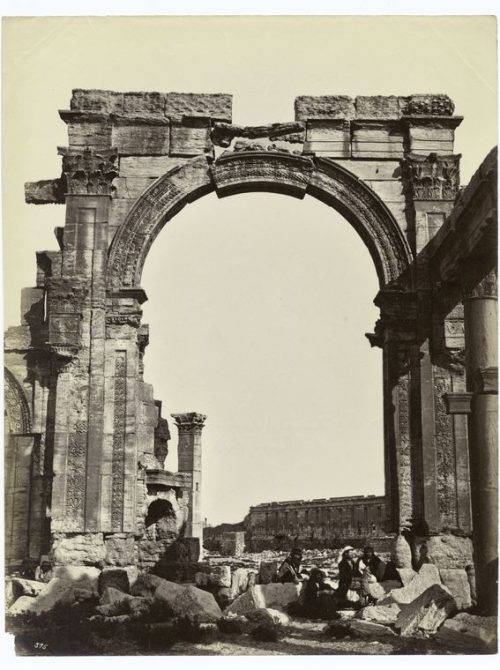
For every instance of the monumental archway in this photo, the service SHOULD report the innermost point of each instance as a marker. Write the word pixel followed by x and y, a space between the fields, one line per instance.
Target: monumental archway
pixel 133 161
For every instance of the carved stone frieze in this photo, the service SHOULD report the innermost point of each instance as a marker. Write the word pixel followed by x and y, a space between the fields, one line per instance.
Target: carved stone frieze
pixel 428 105
pixel 76 474
pixel 431 177
pixel 398 318
pixel 88 172
pixel 118 451
pixel 223 134
pixel 124 319
pixel 17 413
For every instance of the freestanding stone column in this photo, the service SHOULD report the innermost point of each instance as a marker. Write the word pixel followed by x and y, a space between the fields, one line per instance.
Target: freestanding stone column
pixel 480 311
pixel 190 426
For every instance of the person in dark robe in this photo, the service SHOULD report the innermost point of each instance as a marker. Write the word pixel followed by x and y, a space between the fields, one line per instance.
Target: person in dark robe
pixel 346 573
pixel 289 571
pixel 318 600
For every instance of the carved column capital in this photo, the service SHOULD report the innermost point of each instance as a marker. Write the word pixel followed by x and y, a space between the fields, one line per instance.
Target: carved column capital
pixel 431 177
pixel 87 172
pixel 398 318
pixel 189 421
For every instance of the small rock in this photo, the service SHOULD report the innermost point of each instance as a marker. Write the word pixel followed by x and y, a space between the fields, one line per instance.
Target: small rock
pixel 427 612
pixel 268 616
pixel 233 624
pixel 384 614
pixel 369 629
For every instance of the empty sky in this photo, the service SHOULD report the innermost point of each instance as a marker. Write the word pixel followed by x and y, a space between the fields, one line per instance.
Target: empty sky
pixel 257 303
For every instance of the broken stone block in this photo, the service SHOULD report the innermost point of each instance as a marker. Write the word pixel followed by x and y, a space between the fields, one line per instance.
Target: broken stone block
pixel 406 575
pixel 58 592
pixel 10 596
pixel 114 578
pixel 219 575
pixel 364 629
pixel 132 574
pixel 267 615
pixel 79 576
pixel 239 582
pixel 233 623
pixel 425 577
pixel 196 605
pixel 384 614
pixel 268 572
pixel 457 582
pixel 427 612
pixel 146 584
pixel 26 587
pixel 470 633
pixel 113 602
pixel 449 551
pixel 119 549
pixel 265 595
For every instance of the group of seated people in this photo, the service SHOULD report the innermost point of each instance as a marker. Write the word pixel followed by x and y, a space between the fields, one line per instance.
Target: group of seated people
pixel 320 599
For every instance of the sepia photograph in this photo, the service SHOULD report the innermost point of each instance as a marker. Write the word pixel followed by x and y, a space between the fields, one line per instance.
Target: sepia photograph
pixel 250 334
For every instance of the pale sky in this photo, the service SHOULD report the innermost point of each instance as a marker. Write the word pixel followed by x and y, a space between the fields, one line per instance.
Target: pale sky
pixel 258 303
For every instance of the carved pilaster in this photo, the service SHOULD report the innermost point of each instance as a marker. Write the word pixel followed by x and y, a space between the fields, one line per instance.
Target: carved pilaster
pixel 431 177
pixel 88 172
pixel 118 452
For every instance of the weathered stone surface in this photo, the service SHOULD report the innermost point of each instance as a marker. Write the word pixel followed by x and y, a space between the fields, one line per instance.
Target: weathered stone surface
pixel 378 590
pixel 365 629
pixel 268 571
pixel 219 575
pixel 217 106
pixel 457 582
pixel 264 595
pixel 57 592
pixel 113 602
pixel 324 107
pixel 428 104
pixel 449 551
pixel 10 596
pixel 268 616
pixel 44 192
pixel 384 614
pixel 469 633
pixel 427 612
pixel 132 574
pixel 402 553
pixel 114 578
pixel 426 577
pixel 119 549
pixel 146 584
pixel 239 581
pixel 193 604
pixel 377 106
pixel 26 587
pixel 79 550
pixel 142 140
pixel 79 576
pixel 406 575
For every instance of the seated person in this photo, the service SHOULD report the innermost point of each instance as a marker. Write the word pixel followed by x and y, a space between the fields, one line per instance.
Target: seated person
pixel 319 598
pixel 43 573
pixel 289 571
pixel 369 560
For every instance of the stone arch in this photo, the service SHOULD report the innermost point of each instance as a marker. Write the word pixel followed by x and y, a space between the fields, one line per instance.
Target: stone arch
pixel 17 412
pixel 277 172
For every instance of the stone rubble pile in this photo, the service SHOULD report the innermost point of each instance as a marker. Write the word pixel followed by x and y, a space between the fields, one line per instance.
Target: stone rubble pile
pixel 427 603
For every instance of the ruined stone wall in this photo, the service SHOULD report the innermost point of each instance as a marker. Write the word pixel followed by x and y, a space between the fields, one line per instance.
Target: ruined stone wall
pixel 319 521
pixel 133 160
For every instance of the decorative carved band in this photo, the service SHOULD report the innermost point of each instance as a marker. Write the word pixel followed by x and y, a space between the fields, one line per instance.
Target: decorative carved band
pixel 17 413
pixel 128 318
pixel 431 177
pixel 257 171
pixel 90 173
pixel 76 473
pixel 118 452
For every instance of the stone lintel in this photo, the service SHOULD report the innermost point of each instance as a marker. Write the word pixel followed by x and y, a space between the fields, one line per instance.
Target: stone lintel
pixel 189 420
pixel 486 380
pixel 458 403
pixel 134 292
pixel 433 121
